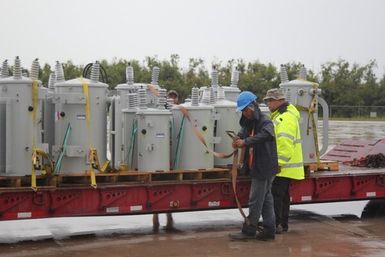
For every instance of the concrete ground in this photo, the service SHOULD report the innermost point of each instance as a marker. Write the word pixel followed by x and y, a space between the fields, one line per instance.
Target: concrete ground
pixel 310 235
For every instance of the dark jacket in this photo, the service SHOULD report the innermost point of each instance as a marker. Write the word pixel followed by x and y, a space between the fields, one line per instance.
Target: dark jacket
pixel 265 163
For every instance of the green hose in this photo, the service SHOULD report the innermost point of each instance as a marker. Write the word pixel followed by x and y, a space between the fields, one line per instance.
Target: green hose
pixel 63 149
pixel 132 143
pixel 179 137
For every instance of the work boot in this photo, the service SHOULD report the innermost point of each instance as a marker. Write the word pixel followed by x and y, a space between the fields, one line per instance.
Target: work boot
pixel 241 236
pixel 249 229
pixel 264 236
pixel 248 232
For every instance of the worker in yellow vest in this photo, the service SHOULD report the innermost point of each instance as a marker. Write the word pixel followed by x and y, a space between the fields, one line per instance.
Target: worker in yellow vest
pixel 285 118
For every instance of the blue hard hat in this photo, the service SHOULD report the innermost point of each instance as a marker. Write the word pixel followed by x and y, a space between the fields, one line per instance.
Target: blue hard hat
pixel 244 99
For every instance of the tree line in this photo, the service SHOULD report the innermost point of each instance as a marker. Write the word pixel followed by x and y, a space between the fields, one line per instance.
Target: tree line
pixel 342 83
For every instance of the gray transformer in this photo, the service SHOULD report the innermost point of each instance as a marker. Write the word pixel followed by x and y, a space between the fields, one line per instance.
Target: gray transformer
pixel 20 123
pixel 226 119
pixel 304 95
pixel 153 135
pixel 71 111
pixel 187 151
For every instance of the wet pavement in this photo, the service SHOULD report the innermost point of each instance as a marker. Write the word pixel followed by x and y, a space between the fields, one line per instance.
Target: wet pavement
pixel 356 130
pixel 310 234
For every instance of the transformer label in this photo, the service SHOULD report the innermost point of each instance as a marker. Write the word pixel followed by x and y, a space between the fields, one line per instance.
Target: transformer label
pixel 160 135
pixel 81 116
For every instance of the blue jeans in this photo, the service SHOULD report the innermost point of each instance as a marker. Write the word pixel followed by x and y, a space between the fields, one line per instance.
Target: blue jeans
pixel 261 202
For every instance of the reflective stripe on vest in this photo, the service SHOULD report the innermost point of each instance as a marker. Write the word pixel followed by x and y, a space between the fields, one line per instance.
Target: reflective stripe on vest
pixel 283 134
pixel 283 158
pixel 293 165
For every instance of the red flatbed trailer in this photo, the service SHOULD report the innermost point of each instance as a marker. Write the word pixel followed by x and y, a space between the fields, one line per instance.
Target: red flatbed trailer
pixel 139 197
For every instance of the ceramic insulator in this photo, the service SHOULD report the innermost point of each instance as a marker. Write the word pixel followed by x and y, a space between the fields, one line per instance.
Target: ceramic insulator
pixel 95 72
pixel 155 75
pixel 195 96
pixel 234 78
pixel 130 75
pixel 17 69
pixel 162 98
pixel 52 80
pixel 302 73
pixel 59 72
pixel 4 69
pixel 214 77
pixel 132 100
pixel 212 95
pixel 283 74
pixel 34 75
pixel 142 98
pixel 221 93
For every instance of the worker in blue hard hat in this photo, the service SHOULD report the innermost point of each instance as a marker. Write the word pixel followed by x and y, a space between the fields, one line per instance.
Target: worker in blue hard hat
pixel 257 138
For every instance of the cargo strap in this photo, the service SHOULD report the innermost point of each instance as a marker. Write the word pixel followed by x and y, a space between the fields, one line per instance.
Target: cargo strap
pixel 200 136
pixel 94 164
pixel 234 169
pixel 34 99
pixel 234 174
pixel 92 153
pixel 37 154
pixel 37 164
pixel 311 110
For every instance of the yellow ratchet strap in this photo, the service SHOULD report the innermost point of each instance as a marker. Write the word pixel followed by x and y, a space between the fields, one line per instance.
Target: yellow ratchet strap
pixel 94 164
pixel 34 99
pixel 92 155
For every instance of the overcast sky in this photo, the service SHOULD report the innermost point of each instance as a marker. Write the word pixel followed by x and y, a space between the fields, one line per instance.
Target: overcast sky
pixel 278 31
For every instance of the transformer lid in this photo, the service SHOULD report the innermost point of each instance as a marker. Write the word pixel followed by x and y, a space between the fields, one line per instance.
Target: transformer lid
pixel 298 83
pixel 151 111
pixel 231 89
pixel 78 83
pixel 201 106
pixel 225 103
pixel 12 80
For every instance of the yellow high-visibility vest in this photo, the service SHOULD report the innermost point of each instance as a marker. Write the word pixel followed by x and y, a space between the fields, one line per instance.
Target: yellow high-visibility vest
pixel 289 146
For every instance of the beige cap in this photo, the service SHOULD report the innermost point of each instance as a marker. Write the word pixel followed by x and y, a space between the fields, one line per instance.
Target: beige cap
pixel 274 93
